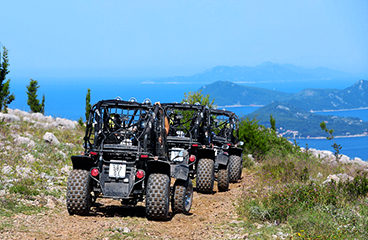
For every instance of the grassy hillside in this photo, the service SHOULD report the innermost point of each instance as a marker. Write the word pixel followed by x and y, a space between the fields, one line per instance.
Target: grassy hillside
pixel 287 192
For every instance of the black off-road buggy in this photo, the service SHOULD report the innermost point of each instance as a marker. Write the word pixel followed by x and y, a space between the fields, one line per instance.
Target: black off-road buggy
pixel 224 129
pixel 189 142
pixel 126 158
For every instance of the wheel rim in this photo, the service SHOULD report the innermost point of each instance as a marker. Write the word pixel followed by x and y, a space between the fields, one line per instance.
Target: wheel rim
pixel 188 196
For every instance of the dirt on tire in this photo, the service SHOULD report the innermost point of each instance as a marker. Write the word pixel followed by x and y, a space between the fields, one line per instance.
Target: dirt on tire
pixel 212 216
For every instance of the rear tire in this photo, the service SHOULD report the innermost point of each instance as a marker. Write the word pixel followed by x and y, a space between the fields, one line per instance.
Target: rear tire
pixel 78 196
pixel 223 179
pixel 158 196
pixel 235 168
pixel 205 175
pixel 183 196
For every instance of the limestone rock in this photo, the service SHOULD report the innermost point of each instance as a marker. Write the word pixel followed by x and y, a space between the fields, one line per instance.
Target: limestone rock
pixel 50 138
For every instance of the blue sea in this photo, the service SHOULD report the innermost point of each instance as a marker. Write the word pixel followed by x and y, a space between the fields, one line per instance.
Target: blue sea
pixel 65 97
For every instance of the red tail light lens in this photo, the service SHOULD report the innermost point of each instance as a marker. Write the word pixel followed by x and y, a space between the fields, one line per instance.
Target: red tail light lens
pixel 229 144
pixel 144 156
pixel 94 172
pixel 195 145
pixel 140 174
pixel 192 158
pixel 93 153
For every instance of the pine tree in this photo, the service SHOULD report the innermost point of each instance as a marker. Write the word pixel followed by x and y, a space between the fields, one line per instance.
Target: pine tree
pixel 88 103
pixel 32 101
pixel 5 97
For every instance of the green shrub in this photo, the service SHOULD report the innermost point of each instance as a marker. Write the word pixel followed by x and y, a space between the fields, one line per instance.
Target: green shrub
pixel 260 141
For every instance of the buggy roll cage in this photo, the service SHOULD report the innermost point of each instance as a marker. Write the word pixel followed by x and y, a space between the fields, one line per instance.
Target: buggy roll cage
pixel 187 124
pixel 224 126
pixel 123 125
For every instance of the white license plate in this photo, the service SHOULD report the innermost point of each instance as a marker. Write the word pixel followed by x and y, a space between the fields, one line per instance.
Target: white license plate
pixel 175 156
pixel 117 170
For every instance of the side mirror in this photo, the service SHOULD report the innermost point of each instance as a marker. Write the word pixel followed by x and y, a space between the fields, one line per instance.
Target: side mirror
pixel 241 143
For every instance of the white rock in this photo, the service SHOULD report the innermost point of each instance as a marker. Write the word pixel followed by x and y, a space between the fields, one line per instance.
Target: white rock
pixel 23 171
pixel 27 119
pixel 4 117
pixel 50 138
pixel 65 170
pixel 29 158
pixel 39 117
pixel 24 140
pixel 6 169
pixel 344 159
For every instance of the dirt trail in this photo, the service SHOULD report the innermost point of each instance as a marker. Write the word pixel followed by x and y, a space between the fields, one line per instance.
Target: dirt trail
pixel 211 217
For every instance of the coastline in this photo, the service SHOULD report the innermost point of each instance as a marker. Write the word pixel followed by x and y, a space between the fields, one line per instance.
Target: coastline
pixel 339 110
pixel 312 111
pixel 350 136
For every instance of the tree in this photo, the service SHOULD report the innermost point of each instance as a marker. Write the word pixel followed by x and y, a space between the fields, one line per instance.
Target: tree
pixel 273 123
pixel 32 101
pixel 336 146
pixel 5 97
pixel 88 103
pixel 197 97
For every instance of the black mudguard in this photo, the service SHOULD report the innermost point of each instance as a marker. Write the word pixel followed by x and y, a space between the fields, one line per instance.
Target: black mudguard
pixel 180 171
pixel 158 166
pixel 206 153
pixel 222 159
pixel 236 151
pixel 82 162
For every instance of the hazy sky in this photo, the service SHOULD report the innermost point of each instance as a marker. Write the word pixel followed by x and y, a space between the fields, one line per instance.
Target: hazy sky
pixel 171 38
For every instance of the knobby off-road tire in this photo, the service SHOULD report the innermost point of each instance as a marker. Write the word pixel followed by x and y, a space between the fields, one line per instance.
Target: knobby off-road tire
pixel 235 168
pixel 205 175
pixel 158 197
pixel 78 196
pixel 183 196
pixel 223 179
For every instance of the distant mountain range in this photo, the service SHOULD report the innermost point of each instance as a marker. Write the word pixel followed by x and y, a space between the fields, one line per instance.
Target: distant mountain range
pixel 265 72
pixel 292 112
pixel 228 93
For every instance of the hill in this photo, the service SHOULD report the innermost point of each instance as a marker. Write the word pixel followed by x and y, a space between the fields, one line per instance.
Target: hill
pixel 293 121
pixel 265 72
pixel 228 93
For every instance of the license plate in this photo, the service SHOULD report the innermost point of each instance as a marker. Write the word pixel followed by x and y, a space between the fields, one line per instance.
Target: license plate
pixel 117 170
pixel 175 156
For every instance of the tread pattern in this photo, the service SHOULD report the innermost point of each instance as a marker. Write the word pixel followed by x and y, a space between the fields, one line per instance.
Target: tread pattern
pixel 158 196
pixel 78 196
pixel 183 197
pixel 223 179
pixel 235 168
pixel 205 175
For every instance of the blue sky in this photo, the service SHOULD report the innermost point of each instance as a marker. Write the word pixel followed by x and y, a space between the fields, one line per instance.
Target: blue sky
pixel 174 38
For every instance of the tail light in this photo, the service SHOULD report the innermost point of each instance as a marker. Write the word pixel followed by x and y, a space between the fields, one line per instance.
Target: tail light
pixel 93 153
pixel 144 156
pixel 195 145
pixel 192 158
pixel 140 174
pixel 94 172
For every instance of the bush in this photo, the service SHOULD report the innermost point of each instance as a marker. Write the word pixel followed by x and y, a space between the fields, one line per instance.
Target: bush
pixel 260 141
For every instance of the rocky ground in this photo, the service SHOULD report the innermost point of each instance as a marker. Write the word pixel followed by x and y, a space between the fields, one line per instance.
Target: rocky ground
pixel 213 216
